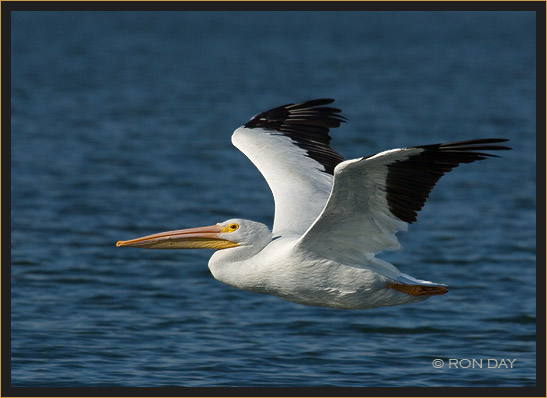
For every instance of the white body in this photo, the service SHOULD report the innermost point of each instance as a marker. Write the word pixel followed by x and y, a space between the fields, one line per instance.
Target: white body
pixel 281 269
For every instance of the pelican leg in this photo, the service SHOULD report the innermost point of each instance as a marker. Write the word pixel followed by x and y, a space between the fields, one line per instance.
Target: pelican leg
pixel 417 290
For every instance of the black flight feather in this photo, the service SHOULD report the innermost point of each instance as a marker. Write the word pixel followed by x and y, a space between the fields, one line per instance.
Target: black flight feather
pixel 410 181
pixel 307 124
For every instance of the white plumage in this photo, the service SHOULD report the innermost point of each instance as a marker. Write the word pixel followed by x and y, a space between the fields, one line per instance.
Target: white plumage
pixel 331 216
pixel 300 188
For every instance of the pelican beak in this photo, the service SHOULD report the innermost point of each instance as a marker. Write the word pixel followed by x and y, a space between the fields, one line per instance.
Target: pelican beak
pixel 193 238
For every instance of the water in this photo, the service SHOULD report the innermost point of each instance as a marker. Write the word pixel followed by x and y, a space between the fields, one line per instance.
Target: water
pixel 121 127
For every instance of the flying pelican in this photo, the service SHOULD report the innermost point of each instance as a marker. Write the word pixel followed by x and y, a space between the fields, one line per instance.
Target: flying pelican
pixel 331 216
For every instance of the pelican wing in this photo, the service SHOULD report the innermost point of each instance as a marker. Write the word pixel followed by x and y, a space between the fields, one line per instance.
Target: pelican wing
pixel 374 197
pixel 290 147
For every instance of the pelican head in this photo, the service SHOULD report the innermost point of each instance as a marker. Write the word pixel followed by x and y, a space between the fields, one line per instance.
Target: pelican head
pixel 224 235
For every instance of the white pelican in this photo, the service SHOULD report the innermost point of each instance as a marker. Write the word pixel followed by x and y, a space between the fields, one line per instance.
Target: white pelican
pixel 331 216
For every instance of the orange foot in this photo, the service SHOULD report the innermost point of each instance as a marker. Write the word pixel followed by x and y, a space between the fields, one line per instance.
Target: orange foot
pixel 417 290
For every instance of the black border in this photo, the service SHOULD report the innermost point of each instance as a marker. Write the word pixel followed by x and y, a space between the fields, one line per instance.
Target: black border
pixel 5 291
pixel 272 5
pixel 273 392
pixel 8 6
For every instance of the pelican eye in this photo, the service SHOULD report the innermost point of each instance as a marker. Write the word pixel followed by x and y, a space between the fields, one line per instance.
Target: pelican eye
pixel 230 228
pixel 233 227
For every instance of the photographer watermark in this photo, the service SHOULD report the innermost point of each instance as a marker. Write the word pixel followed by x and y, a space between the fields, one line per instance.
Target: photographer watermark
pixel 474 363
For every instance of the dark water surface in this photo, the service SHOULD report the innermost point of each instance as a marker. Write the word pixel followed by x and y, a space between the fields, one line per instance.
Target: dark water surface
pixel 121 127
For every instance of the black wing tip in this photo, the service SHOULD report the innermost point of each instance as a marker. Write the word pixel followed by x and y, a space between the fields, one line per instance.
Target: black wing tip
pixel 479 143
pixel 471 147
pixel 312 103
pixel 299 113
pixel 317 105
pixel 410 181
pixel 307 124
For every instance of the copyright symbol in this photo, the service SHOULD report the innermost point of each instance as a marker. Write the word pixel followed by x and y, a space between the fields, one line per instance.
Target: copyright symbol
pixel 438 363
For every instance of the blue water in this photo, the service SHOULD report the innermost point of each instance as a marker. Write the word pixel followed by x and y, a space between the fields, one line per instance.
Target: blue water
pixel 121 127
